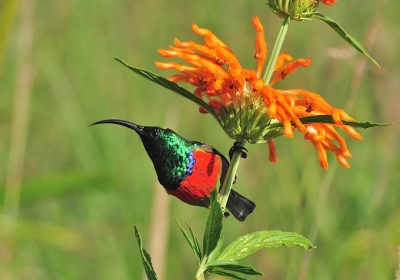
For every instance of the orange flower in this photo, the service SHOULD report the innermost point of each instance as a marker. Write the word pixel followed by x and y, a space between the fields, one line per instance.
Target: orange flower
pixel 328 2
pixel 245 105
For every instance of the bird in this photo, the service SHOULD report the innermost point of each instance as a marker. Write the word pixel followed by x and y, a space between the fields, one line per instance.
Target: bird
pixel 188 170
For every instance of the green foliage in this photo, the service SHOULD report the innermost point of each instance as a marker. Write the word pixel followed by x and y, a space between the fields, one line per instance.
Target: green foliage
pixel 148 267
pixel 212 260
pixel 183 92
pixel 346 36
pixel 213 229
pixel 171 86
pixel 192 242
pixel 57 185
pixel 353 214
pixel 250 243
pixel 329 119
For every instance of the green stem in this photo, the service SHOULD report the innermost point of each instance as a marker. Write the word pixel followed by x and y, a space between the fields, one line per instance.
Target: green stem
pixel 230 174
pixel 234 164
pixel 276 50
pixel 200 271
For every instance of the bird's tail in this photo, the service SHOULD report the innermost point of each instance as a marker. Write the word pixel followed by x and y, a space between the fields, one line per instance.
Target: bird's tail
pixel 239 206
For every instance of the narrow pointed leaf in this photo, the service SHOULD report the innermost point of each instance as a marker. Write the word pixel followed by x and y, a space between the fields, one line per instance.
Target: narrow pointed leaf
pixel 171 86
pixel 240 268
pixel 232 266
pixel 227 274
pixel 346 36
pixel 148 267
pixel 196 244
pixel 213 227
pixel 329 120
pixel 219 263
pixel 250 243
pixel 193 244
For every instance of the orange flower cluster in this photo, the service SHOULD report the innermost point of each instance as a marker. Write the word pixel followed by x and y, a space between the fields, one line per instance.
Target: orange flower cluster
pixel 221 81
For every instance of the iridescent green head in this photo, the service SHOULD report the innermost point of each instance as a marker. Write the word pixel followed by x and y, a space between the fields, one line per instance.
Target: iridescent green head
pixel 172 155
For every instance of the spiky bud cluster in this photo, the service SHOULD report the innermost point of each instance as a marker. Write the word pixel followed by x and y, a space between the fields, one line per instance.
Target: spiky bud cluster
pixel 295 9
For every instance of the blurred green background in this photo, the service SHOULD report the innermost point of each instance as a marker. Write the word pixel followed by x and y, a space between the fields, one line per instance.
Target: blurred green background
pixel 70 195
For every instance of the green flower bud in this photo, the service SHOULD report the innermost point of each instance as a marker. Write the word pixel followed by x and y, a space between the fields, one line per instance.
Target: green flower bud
pixel 295 9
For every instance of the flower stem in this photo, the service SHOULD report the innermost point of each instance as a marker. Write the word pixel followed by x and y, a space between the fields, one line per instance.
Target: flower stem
pixel 200 271
pixel 231 173
pixel 276 50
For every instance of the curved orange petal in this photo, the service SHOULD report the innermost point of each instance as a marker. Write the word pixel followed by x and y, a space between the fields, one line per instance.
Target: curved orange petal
pixel 260 45
pixel 272 151
pixel 322 158
pixel 289 68
pixel 315 133
pixel 282 59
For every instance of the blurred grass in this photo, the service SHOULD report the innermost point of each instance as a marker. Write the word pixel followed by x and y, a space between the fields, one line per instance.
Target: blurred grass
pixel 83 188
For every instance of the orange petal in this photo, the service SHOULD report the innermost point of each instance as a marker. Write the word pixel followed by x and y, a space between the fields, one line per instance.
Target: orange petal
pixel 260 45
pixel 282 59
pixel 287 128
pixel 322 158
pixel 351 131
pixel 203 111
pixel 290 68
pixel 272 151
pixel 328 2
pixel 315 133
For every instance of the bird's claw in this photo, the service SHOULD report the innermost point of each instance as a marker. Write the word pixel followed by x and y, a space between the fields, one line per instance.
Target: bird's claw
pixel 237 147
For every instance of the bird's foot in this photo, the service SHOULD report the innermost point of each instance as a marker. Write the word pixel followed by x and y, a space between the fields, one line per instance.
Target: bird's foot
pixel 237 147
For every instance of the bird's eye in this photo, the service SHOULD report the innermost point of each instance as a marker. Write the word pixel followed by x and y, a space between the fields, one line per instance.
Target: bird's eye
pixel 154 134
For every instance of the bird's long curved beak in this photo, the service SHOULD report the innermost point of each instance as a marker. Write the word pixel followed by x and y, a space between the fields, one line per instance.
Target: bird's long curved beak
pixel 135 127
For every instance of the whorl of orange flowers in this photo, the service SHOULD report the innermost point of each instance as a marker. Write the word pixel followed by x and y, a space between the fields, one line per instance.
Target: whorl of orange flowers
pixel 221 81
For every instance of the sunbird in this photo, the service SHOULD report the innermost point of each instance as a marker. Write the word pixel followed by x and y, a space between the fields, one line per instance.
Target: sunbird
pixel 188 170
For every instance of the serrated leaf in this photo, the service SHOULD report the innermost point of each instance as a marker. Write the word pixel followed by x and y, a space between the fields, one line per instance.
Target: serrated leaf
pixel 250 243
pixel 171 86
pixel 329 120
pixel 346 36
pixel 231 275
pixel 240 268
pixel 193 244
pixel 213 229
pixel 148 267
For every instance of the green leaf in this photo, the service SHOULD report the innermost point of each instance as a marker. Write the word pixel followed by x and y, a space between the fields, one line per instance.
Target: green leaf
pixel 148 267
pixel 232 266
pixel 241 268
pixel 215 253
pixel 214 225
pixel 193 244
pixel 171 86
pixel 346 36
pixel 250 243
pixel 231 275
pixel 219 263
pixel 328 119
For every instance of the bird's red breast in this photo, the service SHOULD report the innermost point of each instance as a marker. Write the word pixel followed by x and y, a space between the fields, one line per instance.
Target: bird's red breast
pixel 197 186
